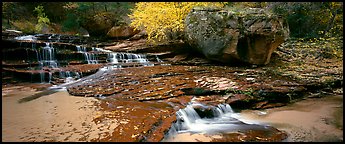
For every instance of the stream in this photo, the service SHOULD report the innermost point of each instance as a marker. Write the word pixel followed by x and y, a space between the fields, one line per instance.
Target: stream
pixel 101 95
pixel 62 117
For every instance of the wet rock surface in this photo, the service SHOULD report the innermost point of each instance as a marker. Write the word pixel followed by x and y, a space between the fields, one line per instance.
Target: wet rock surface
pixel 270 135
pixel 138 83
pixel 144 99
pixel 139 121
pixel 35 75
pixel 241 87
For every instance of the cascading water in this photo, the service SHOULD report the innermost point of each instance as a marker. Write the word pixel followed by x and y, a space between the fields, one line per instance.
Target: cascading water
pixel 47 59
pixel 42 76
pixel 89 57
pixel 158 59
pixel 222 120
pixel 115 58
pixel 28 38
pixel 48 56
pixel 189 120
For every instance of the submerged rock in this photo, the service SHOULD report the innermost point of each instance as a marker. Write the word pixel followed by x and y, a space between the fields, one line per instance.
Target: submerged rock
pixel 249 36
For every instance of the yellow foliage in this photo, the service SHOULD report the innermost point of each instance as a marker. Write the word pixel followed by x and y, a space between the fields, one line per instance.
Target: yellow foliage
pixel 249 4
pixel 160 18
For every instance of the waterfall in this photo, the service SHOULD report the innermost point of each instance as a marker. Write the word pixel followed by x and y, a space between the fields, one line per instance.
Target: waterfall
pixel 116 58
pixel 158 59
pixel 188 116
pixel 77 74
pixel 42 76
pixel 223 121
pixel 50 77
pixel 48 56
pixel 48 63
pixel 189 120
pixel 222 109
pixel 68 74
pixel 89 57
pixel 37 55
pixel 113 58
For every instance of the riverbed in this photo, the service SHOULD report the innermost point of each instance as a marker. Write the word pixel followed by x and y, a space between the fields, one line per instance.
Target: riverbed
pixel 62 117
pixel 310 120
pixel 55 117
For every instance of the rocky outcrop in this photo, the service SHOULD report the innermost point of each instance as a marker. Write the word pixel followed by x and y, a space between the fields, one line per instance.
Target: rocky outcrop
pixel 99 25
pixel 227 36
pixel 122 32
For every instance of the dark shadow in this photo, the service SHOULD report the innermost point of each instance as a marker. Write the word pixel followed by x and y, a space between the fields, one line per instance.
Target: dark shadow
pixel 37 95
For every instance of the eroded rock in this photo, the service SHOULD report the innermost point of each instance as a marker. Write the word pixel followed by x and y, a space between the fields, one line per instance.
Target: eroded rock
pixel 99 25
pixel 227 36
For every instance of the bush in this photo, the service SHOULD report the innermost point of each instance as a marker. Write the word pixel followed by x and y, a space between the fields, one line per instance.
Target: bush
pixel 70 23
pixel 310 19
pixel 163 20
pixel 90 15
pixel 41 18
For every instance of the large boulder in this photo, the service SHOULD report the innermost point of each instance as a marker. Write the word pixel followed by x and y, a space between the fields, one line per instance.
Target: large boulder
pixel 99 25
pixel 225 35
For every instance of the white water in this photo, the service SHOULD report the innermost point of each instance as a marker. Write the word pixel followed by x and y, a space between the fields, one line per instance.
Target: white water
pixel 89 57
pixel 193 122
pixel 46 58
pixel 115 58
pixel 188 120
pixel 28 37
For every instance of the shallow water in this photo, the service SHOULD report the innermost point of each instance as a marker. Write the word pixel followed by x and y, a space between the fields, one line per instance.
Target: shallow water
pixel 221 126
pixel 310 120
pixel 55 117
pixel 61 117
pixel 58 116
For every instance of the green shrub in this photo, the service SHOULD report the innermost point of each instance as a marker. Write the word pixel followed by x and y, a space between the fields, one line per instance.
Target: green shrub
pixel 311 19
pixel 71 23
pixel 41 18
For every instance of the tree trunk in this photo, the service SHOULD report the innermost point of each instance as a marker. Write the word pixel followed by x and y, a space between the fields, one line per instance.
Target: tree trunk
pixel 93 8
pixel 331 22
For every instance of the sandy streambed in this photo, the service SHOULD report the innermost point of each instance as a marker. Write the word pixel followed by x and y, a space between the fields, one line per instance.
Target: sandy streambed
pixel 55 117
pixel 61 117
pixel 310 120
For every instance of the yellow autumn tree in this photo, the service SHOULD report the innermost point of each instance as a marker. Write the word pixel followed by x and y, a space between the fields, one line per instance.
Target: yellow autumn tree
pixel 161 18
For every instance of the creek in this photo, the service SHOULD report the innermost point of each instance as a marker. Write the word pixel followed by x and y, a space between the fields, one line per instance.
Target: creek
pixel 135 97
